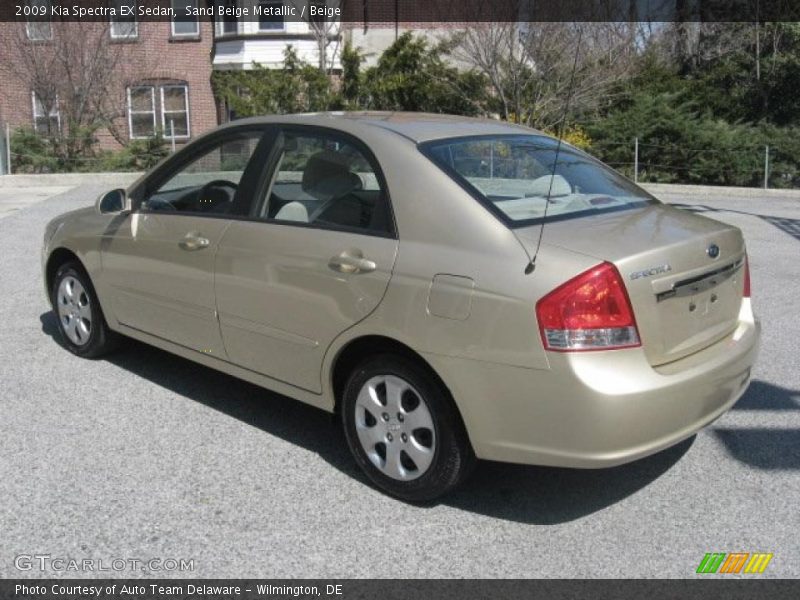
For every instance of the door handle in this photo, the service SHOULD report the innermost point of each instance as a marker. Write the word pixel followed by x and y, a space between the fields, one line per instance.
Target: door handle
pixel 352 261
pixel 193 241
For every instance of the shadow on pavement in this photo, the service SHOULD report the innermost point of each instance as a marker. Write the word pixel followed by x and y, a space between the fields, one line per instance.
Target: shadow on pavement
pixel 765 396
pixel 526 494
pixel 761 447
pixel 548 495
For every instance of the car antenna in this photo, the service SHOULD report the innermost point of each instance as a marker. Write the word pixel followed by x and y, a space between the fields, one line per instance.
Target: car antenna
pixel 531 266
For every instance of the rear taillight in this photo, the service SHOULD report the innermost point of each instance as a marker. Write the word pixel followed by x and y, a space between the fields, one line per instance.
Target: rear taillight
pixel 590 312
pixel 746 292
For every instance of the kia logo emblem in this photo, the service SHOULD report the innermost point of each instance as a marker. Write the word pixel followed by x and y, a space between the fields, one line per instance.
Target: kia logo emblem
pixel 713 251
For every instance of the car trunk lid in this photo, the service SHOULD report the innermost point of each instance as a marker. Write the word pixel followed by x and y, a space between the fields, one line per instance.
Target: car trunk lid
pixel 683 272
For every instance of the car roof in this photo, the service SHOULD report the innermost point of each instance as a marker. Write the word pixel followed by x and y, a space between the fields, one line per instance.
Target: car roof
pixel 415 126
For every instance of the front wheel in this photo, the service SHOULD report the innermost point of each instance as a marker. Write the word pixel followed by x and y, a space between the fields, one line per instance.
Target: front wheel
pixel 80 319
pixel 403 429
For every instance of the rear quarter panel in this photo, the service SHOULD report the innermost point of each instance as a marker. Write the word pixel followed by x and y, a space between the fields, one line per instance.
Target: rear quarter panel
pixel 444 231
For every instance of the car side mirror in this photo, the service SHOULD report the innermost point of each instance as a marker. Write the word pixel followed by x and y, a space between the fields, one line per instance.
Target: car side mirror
pixel 111 202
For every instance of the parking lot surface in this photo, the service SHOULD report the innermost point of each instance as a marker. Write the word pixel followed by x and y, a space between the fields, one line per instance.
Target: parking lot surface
pixel 146 455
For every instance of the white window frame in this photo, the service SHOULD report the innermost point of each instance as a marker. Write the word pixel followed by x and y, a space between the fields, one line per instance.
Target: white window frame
pixel 221 22
pixel 32 21
pixel 196 22
pixel 135 22
pixel 131 112
pixel 166 133
pixel 54 112
pixel 271 29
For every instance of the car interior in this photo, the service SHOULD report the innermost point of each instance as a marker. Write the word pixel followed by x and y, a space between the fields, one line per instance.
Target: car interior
pixel 216 196
pixel 329 193
pixel 334 186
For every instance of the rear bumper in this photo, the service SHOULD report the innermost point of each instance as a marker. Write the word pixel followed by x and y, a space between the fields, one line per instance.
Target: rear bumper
pixel 598 409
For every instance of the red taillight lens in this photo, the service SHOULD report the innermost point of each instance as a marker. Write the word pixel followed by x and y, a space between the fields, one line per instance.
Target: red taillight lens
pixel 590 312
pixel 746 292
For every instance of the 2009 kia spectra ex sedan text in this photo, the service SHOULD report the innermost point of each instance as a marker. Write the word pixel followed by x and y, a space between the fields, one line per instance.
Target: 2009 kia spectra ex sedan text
pixel 451 287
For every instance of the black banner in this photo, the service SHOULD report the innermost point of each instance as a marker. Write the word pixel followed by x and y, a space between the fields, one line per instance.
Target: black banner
pixel 406 11
pixel 735 588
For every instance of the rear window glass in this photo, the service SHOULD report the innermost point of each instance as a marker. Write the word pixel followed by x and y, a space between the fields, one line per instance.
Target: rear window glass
pixel 514 176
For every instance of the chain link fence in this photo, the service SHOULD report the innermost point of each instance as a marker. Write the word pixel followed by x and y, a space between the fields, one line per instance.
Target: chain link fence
pixel 656 162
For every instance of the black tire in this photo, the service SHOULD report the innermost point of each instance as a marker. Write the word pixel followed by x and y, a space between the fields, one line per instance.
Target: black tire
pixel 453 457
pixel 100 339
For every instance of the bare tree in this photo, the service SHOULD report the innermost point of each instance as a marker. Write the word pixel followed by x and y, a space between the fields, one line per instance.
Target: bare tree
pixel 325 27
pixel 78 73
pixel 529 66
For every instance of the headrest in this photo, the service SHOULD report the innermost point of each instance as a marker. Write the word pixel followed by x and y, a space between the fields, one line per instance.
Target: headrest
pixel 327 175
pixel 293 211
pixel 557 187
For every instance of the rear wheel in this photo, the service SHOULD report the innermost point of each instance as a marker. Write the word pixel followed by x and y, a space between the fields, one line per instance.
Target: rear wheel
pixel 403 429
pixel 80 319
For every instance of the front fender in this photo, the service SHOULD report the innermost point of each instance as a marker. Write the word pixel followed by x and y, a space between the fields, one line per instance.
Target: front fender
pixel 80 234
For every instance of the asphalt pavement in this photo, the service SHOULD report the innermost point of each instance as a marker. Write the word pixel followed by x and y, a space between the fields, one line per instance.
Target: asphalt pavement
pixel 147 456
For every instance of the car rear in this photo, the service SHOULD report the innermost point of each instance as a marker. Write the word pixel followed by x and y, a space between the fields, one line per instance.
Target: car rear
pixel 682 276
pixel 653 342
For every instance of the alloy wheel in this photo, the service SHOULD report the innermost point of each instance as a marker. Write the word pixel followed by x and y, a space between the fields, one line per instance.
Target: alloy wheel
pixel 395 427
pixel 74 310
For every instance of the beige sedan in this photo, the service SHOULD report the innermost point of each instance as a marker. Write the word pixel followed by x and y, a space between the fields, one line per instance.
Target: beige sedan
pixel 452 288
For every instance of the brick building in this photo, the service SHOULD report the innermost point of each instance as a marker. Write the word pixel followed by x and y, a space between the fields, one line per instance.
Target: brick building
pixel 161 78
pixel 162 71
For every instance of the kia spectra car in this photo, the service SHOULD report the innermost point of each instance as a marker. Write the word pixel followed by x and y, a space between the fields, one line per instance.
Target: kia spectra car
pixel 452 288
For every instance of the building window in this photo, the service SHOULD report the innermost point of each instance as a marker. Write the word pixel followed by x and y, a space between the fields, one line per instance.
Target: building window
pixel 184 25
pixel 44 122
pixel 228 24
pixel 38 27
pixel 270 17
pixel 142 111
pixel 124 25
pixel 161 109
pixel 175 111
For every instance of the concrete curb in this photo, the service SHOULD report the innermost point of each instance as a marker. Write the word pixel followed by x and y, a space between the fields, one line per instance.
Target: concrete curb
pixel 67 179
pixel 658 189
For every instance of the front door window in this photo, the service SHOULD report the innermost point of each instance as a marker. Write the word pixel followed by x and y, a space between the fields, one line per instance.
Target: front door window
pixel 209 183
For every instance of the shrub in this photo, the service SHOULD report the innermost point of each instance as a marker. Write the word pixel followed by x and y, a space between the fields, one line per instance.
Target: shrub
pixel 297 87
pixel 32 153
pixel 139 155
pixel 411 75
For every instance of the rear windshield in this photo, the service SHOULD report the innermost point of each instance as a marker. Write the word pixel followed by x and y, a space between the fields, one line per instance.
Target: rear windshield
pixel 514 176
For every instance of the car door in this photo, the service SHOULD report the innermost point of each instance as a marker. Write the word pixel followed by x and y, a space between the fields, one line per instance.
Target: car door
pixel 159 263
pixel 315 258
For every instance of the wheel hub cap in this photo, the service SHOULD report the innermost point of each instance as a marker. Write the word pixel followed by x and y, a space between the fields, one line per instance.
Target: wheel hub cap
pixel 395 427
pixel 74 310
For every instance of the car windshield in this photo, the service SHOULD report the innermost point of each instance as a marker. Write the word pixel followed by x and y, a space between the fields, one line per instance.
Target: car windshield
pixel 514 176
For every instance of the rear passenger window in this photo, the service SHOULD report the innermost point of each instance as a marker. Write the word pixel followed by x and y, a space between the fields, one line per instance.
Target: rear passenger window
pixel 328 182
